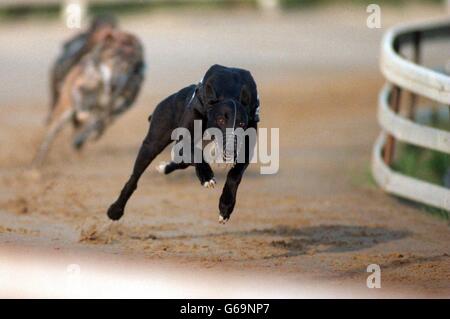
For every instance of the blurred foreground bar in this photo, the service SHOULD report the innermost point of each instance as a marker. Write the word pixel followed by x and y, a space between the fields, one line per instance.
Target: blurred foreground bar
pixel 35 272
pixel 14 3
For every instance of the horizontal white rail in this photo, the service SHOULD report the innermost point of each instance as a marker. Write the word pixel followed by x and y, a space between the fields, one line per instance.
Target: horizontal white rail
pixel 405 186
pixel 406 130
pixel 411 76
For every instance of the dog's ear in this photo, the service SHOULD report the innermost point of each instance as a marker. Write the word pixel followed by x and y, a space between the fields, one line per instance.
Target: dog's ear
pixel 210 94
pixel 246 96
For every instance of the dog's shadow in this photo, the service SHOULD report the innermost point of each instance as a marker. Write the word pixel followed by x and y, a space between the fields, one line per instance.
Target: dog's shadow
pixel 318 239
pixel 332 238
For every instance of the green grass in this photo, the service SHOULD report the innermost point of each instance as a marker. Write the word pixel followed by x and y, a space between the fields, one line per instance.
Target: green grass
pixel 425 164
pixel 421 163
pixel 23 11
pixel 363 177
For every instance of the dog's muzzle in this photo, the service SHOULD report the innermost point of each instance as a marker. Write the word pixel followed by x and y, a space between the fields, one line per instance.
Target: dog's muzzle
pixel 231 147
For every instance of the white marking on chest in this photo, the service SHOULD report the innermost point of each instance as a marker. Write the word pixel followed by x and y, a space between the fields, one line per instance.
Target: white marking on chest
pixel 106 73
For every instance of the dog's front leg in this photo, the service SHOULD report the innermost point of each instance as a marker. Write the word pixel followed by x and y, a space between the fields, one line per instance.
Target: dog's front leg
pixel 162 124
pixel 234 177
pixel 153 144
pixel 205 174
pixel 228 197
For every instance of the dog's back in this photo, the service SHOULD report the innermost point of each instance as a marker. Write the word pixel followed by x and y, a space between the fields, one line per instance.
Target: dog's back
pixel 97 89
pixel 101 78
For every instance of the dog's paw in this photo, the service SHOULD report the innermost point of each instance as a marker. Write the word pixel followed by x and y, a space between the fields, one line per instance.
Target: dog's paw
pixel 115 212
pixel 161 167
pixel 78 144
pixel 223 220
pixel 210 184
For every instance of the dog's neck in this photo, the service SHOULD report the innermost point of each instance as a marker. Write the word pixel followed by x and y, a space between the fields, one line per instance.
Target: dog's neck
pixel 196 101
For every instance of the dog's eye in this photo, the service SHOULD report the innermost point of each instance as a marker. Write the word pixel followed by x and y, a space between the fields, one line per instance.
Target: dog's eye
pixel 221 120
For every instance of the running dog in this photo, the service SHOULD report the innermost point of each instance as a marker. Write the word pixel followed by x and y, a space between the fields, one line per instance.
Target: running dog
pixel 96 90
pixel 226 98
pixel 73 51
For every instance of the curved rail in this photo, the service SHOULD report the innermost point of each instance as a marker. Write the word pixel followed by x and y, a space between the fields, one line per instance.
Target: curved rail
pixel 405 130
pixel 404 74
pixel 405 186
pixel 409 75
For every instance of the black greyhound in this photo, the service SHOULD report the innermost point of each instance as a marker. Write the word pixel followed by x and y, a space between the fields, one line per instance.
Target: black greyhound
pixel 225 98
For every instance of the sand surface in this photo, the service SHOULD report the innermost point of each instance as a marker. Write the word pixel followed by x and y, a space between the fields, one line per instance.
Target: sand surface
pixel 320 219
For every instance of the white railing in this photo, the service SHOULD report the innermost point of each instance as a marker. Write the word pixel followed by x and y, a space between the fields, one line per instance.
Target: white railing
pixel 403 74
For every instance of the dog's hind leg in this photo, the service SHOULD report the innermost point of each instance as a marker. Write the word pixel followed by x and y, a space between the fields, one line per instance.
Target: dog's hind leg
pixel 153 144
pixel 54 129
pixel 203 171
pixel 169 115
pixel 169 167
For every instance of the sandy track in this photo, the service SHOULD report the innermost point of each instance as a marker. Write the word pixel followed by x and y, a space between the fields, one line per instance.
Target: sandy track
pixel 318 219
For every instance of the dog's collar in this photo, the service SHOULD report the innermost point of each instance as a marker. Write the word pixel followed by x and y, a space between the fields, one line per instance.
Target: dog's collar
pixel 195 96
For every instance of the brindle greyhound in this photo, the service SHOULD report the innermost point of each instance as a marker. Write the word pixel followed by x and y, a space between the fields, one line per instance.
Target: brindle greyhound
pixel 98 89
pixel 225 98
pixel 72 53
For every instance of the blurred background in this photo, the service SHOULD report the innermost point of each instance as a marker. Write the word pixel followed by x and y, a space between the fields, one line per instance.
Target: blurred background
pixel 321 218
